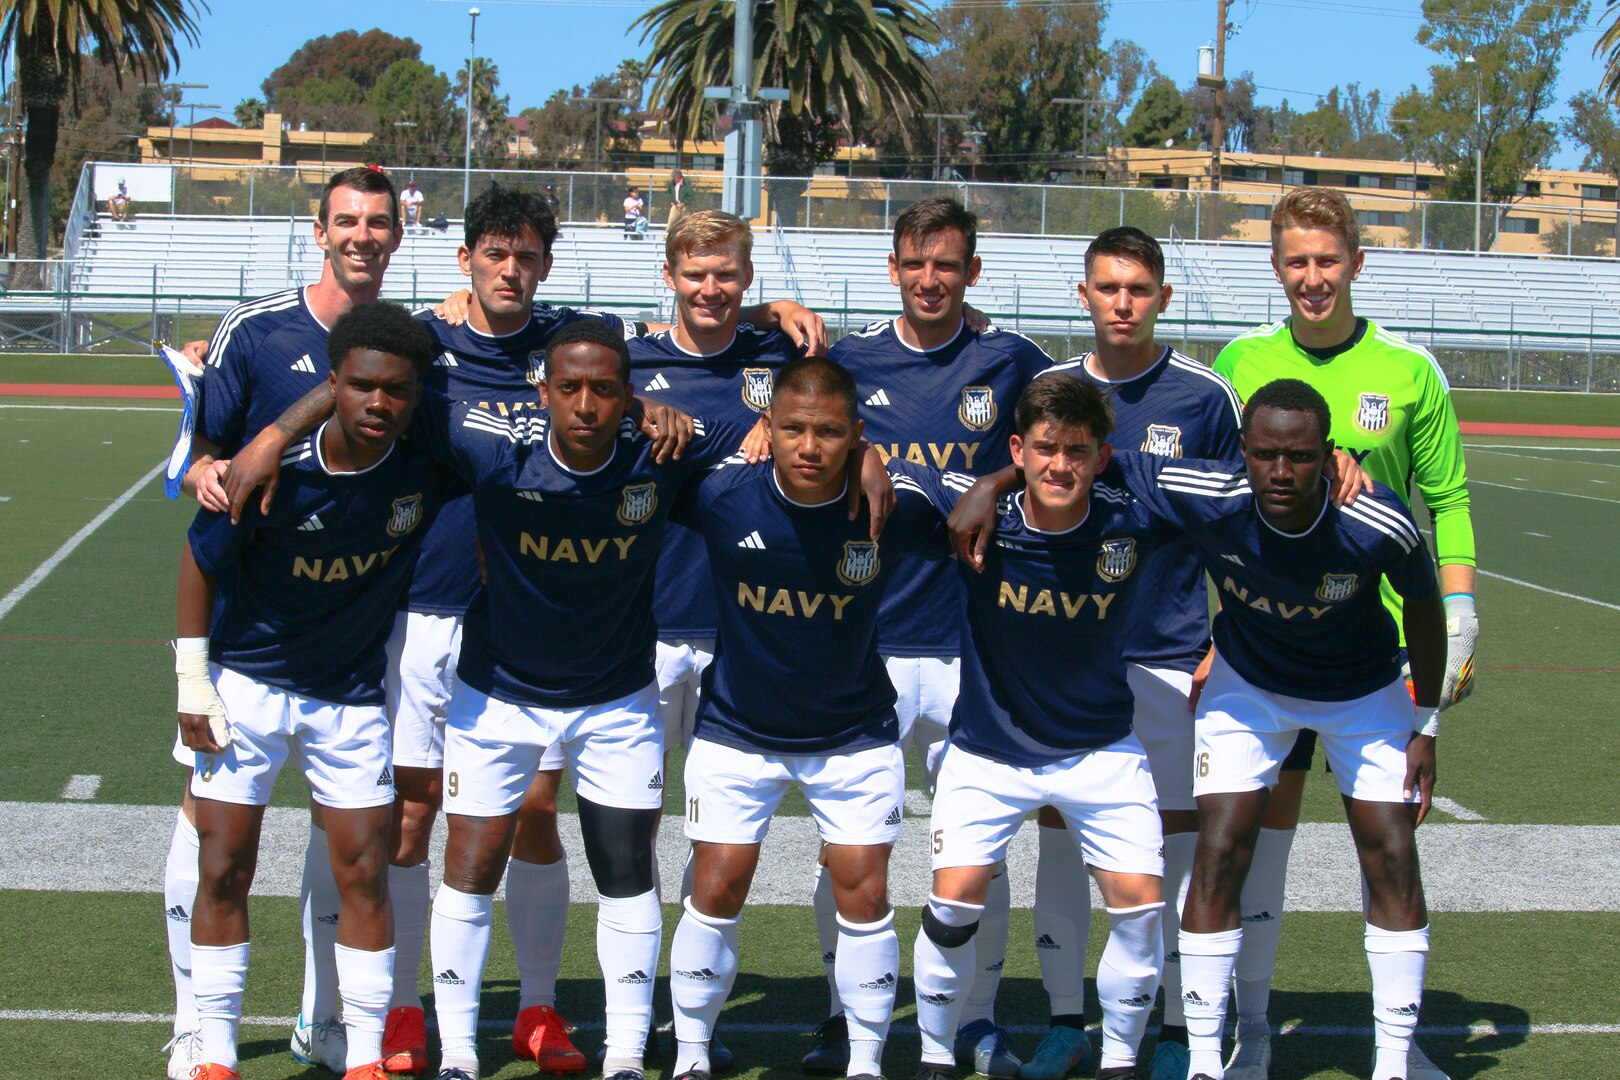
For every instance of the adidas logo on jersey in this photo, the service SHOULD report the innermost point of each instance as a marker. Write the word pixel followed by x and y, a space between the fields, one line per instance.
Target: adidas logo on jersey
pixel 658 383
pixel 882 982
pixel 387 777
pixel 445 359
pixel 752 541
pixel 879 398
pixel 304 364
pixel 657 782
pixel 1140 1001
pixel 894 816
pixel 448 977
pixel 1259 917
pixel 1232 559
pixel 312 524
pixel 532 496
pixel 1045 942
pixel 700 975
pixel 637 976
pixel 178 914
pixel 937 1000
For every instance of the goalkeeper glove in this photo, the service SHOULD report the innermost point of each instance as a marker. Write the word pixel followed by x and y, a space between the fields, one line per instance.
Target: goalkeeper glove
pixel 1462 635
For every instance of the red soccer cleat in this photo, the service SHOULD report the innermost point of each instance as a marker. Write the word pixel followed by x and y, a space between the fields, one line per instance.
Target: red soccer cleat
pixel 404 1042
pixel 541 1036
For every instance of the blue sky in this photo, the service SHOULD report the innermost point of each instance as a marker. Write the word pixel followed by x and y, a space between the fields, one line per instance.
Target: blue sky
pixel 1296 48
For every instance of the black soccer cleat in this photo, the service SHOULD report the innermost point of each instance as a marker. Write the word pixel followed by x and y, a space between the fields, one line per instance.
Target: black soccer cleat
pixel 931 1071
pixel 830 1055
pixel 692 1074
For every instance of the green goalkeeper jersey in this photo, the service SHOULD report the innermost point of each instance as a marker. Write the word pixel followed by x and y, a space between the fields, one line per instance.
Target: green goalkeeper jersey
pixel 1391 409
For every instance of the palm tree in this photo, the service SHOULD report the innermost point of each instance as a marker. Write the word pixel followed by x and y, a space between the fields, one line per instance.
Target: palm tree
pixel 843 61
pixel 1608 47
pixel 51 37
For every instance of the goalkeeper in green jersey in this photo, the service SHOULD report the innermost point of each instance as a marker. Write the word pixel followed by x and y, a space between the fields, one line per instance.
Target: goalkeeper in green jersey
pixel 1391 409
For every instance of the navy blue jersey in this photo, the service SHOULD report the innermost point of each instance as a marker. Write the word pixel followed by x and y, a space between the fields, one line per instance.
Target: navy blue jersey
pixel 566 620
pixel 264 356
pixel 500 373
pixel 949 408
pixel 1043 666
pixel 1301 615
pixel 306 595
pixel 796 667
pixel 733 384
pixel 1176 408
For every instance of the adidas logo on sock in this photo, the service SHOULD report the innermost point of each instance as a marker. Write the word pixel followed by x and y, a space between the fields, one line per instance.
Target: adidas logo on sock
pixel 829 956
pixel 311 524
pixel 327 920
pixel 658 383
pixel 1403 1010
pixel 178 914
pixel 1263 916
pixel 752 541
pixel 1045 942
pixel 938 1000
pixel 1173 956
pixel 448 977
pixel 657 782
pixel 700 975
pixel 997 966
pixel 1191 998
pixel 884 982
pixel 894 816
pixel 387 777
pixel 879 398
pixel 637 976
pixel 304 364
pixel 1140 1001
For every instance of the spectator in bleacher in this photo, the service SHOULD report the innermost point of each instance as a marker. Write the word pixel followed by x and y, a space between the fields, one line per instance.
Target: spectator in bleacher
pixel 410 202
pixel 677 196
pixel 118 205
pixel 551 200
pixel 634 213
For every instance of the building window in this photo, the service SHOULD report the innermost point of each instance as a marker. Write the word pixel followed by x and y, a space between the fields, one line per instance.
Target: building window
pixel 1597 192
pixel 1530 187
pixel 1256 212
pixel 1368 180
pixel 1386 219
pixel 1521 225
pixel 1295 177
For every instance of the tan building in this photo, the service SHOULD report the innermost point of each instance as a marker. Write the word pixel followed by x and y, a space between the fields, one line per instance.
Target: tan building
pixel 219 149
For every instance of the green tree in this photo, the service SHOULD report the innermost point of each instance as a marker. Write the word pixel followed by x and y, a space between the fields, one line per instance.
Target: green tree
pixel 249 113
pixel 335 104
pixel 1594 124
pixel 53 38
pixel 359 58
pixel 1160 117
pixel 1516 47
pixel 490 123
pixel 1608 47
pixel 411 92
pixel 853 60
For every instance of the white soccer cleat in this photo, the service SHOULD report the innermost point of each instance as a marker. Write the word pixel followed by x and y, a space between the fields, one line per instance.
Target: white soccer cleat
pixel 185 1054
pixel 322 1043
pixel 1419 1067
pixel 1251 1057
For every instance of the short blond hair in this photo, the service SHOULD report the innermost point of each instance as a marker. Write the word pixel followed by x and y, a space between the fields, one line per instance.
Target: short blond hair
pixel 1316 208
pixel 701 230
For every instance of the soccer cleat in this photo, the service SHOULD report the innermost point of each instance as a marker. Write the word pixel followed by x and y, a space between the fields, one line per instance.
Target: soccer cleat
pixel 322 1043
pixel 185 1054
pixel 541 1036
pixel 1120 1072
pixel 404 1044
pixel 692 1074
pixel 720 1056
pixel 983 1045
pixel 1064 1050
pixel 866 1076
pixel 1170 1062
pixel 1251 1057
pixel 455 1074
pixel 830 1055
pixel 373 1071
pixel 1419 1067
pixel 627 1074
pixel 207 1070
pixel 932 1071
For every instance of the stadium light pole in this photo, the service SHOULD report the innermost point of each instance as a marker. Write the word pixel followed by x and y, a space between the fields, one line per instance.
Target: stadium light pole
pixel 466 163
pixel 939 136
pixel 599 102
pixel 1086 104
pixel 405 155
pixel 1408 122
pixel 1479 147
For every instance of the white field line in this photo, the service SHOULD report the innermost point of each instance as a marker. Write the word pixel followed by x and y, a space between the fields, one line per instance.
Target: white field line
pixel 1544 491
pixel 1457 809
pixel 1536 457
pixel 1562 449
pixel 1330 1031
pixel 43 570
pixel 81 788
pixel 91 408
pixel 1545 589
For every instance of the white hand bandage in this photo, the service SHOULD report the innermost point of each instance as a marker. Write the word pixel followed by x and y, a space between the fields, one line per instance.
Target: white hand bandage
pixel 197 694
pixel 1426 721
pixel 1462 634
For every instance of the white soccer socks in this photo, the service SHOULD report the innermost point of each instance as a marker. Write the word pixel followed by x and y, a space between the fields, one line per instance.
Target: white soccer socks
pixel 218 979
pixel 1062 921
pixel 179 894
pixel 868 970
pixel 365 981
pixel 1206 971
pixel 1262 904
pixel 991 950
pixel 629 932
pixel 943 960
pixel 537 915
pixel 1178 859
pixel 460 945
pixel 318 899
pixel 409 891
pixel 1397 959
pixel 1128 979
pixel 702 969
pixel 826 909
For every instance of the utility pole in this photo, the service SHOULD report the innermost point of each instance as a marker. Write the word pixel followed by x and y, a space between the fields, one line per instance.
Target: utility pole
pixel 599 102
pixel 939 137
pixel 466 164
pixel 1216 81
pixel 745 143
pixel 1085 127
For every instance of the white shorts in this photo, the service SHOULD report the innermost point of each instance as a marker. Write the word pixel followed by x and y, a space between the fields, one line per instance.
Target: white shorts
pixel 1244 733
pixel 1164 725
pixel 422 654
pixel 492 749
pixel 342 749
pixel 680 678
pixel 855 798
pixel 925 688
pixel 1105 797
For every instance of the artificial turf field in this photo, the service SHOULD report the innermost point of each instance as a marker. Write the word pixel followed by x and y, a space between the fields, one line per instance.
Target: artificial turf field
pixel 1522 981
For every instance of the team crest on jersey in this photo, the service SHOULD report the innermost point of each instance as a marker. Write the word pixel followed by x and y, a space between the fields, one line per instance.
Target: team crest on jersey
pixel 640 500
pixel 1163 440
pixel 978 409
pixel 407 515
pixel 1336 587
pixel 537 367
pixel 756 388
pixel 1372 412
pixel 860 562
pixel 1117 560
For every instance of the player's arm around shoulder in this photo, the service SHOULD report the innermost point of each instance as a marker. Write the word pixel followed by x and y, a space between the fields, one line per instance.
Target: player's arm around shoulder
pixel 923 500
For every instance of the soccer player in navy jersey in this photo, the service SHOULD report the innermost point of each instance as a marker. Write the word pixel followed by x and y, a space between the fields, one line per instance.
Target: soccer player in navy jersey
pixel 1303 641
pixel 934 391
pixel 265 354
pixel 797 585
pixel 280 628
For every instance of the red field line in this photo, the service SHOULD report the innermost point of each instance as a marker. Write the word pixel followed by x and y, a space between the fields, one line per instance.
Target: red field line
pixel 73 390
pixel 1546 431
